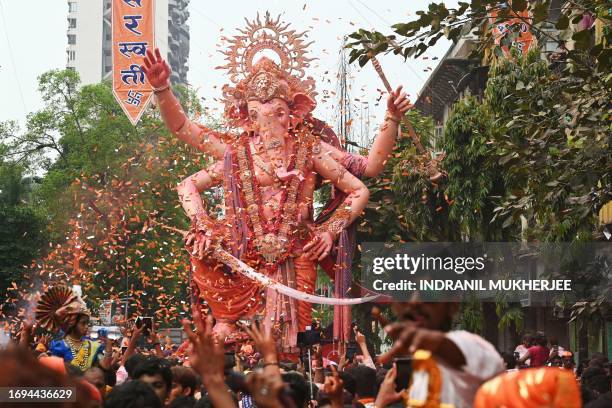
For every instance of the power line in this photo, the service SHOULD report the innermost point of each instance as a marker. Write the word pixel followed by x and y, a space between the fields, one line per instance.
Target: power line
pixel 375 13
pixel 10 48
pixel 372 25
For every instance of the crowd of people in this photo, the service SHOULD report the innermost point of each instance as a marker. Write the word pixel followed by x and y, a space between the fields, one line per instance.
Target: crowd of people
pixel 447 367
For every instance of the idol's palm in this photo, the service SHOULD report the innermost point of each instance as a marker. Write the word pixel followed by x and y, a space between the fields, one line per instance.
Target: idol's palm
pixel 156 69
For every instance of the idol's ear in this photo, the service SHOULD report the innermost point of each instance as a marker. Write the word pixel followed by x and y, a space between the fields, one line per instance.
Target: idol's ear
pixel 301 107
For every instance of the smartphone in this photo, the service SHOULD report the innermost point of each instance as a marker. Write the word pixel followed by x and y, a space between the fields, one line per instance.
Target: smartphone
pixel 404 373
pixel 146 322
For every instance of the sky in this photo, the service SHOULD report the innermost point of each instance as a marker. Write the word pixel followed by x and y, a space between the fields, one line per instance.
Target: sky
pixel 27 53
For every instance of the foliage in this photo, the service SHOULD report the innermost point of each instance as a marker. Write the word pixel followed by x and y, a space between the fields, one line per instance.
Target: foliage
pixel 471 316
pixel 404 206
pixel 108 187
pixel 560 117
pixel 555 148
pixel 474 178
pixel 23 226
pixel 538 148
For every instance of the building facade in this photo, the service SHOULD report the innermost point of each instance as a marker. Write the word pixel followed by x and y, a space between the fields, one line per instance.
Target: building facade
pixel 89 38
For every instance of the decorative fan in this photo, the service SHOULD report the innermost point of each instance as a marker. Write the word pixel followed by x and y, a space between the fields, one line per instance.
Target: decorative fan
pixel 54 299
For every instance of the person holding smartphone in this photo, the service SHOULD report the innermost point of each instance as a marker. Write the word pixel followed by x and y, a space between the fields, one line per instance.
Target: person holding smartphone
pixel 462 361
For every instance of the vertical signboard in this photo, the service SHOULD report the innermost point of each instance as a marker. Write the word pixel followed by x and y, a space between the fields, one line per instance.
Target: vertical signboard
pixel 105 312
pixel 133 34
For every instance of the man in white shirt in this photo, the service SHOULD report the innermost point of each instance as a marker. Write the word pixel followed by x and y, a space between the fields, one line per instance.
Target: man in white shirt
pixel 465 360
pixel 522 348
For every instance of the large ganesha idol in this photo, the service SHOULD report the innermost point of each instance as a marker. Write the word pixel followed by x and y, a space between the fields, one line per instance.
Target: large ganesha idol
pixel 262 257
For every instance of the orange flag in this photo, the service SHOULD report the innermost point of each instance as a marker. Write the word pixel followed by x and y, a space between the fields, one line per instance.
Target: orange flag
pixel 500 29
pixel 133 34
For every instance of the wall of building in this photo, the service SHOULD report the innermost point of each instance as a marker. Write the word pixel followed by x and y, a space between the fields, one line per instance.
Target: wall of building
pixel 85 54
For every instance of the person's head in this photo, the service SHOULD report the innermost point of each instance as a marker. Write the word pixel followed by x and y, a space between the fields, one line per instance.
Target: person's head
pixel 132 362
pixel 156 373
pixel 527 340
pixel 20 368
pixel 540 339
pixel 348 382
pixel 596 379
pixel 509 360
pixel 184 382
pixel 132 394
pixel 235 381
pixel 365 381
pixel 553 341
pixel 81 327
pixel 597 360
pixel 428 315
pixel 183 401
pixel 568 360
pixel 298 388
pixel 96 377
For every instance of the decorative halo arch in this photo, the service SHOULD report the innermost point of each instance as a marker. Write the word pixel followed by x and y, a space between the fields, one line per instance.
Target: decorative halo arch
pixel 269 34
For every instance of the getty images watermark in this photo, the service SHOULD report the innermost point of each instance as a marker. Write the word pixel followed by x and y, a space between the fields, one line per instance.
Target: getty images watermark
pixel 534 273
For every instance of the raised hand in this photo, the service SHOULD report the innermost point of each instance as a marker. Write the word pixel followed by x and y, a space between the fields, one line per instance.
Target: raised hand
pixel 208 356
pixel 387 394
pixel 156 69
pixel 208 359
pixel 264 341
pixel 334 387
pixel 265 390
pixel 398 104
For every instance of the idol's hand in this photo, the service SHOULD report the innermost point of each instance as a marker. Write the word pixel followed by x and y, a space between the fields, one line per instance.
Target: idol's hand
pixel 200 244
pixel 156 69
pixel 319 247
pixel 398 104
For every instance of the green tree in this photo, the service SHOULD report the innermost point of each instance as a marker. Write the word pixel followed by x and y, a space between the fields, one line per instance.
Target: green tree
pixel 23 232
pixel 106 186
pixel 404 205
pixel 562 115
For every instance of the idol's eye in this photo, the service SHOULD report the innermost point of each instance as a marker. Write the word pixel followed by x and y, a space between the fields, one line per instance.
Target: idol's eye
pixel 280 113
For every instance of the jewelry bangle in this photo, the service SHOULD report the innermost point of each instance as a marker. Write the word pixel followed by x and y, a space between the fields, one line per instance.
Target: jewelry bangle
pixel 275 363
pixel 392 119
pixel 162 89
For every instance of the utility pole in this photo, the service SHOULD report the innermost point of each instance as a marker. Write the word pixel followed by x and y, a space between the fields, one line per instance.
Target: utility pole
pixel 344 111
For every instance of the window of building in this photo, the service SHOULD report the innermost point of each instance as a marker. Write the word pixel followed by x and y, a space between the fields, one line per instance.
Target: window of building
pixel 72 7
pixel 72 23
pixel 71 55
pixel 71 39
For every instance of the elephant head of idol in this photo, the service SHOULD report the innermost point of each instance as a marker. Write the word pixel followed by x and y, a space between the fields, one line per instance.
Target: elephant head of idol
pixel 269 101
